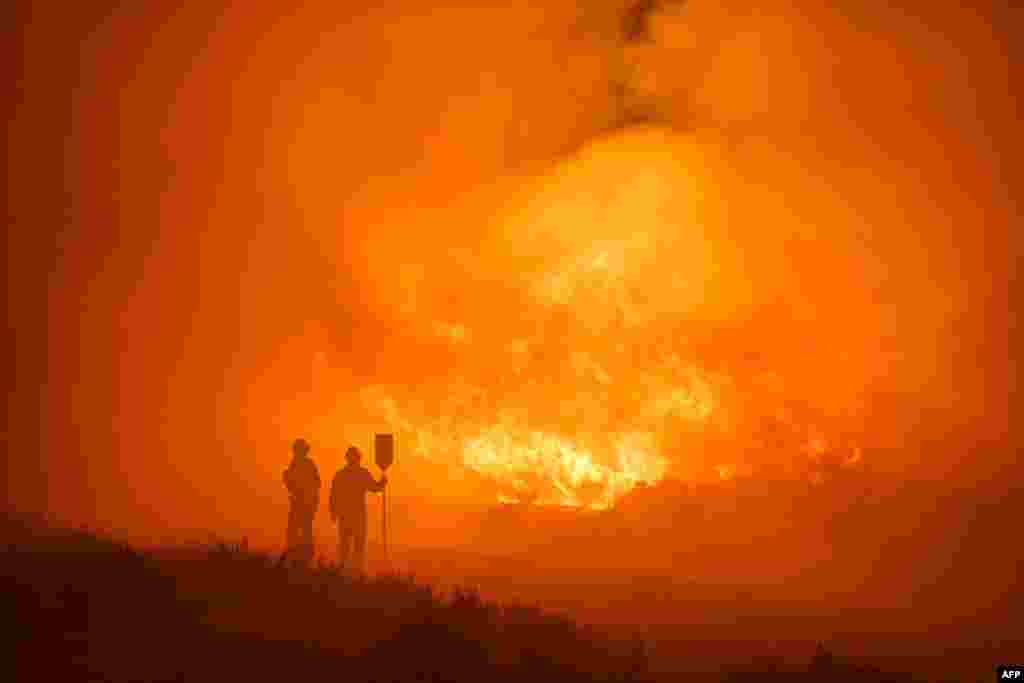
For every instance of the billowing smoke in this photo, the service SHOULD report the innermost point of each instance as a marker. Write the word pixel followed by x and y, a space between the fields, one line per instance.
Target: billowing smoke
pixel 735 226
pixel 656 238
pixel 604 358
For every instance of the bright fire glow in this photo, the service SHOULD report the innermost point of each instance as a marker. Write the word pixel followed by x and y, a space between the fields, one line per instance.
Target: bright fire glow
pixel 591 370
pixel 546 468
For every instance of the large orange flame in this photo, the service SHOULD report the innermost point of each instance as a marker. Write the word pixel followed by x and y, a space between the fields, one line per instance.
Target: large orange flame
pixel 597 381
pixel 547 468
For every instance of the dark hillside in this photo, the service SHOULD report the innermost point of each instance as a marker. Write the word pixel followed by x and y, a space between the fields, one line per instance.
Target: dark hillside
pixel 82 608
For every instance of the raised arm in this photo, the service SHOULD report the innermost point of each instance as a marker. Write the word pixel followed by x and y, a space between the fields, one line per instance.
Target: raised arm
pixel 375 486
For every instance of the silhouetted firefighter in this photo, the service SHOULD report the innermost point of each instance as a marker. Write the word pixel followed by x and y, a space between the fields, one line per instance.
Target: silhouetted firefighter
pixel 348 507
pixel 303 483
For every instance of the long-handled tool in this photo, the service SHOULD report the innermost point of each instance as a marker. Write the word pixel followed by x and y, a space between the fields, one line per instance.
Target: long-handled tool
pixel 384 454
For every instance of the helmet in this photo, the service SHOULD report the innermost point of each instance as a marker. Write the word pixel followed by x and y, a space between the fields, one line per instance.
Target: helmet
pixel 300 446
pixel 353 456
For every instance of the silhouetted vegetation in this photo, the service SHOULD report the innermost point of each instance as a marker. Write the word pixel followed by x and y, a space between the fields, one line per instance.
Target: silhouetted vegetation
pixel 84 608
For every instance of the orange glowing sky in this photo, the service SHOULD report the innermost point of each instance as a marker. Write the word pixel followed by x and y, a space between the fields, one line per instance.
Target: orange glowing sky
pixel 485 226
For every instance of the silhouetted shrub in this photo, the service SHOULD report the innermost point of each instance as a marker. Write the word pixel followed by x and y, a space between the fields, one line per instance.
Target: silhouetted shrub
pixel 80 608
pixel 83 608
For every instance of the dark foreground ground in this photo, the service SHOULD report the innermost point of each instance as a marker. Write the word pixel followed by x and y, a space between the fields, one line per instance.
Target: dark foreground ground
pixel 81 608
pixel 901 575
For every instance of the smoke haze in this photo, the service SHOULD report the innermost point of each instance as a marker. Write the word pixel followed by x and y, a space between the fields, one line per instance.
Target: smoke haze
pixel 638 233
